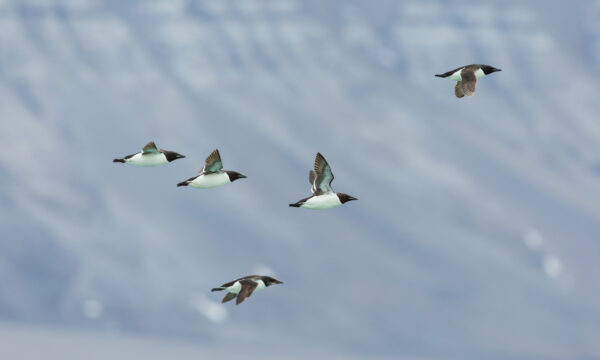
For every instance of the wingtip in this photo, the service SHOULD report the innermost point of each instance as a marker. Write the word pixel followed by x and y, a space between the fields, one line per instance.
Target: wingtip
pixel 184 183
pixel 118 160
pixel 439 75
pixel 294 205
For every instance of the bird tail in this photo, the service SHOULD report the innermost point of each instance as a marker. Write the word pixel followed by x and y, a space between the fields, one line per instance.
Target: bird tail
pixel 183 183
pixel 119 160
pixel 440 75
pixel 218 289
pixel 295 205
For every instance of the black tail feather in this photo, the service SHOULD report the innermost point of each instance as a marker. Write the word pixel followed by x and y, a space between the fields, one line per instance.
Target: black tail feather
pixel 183 183
pixel 295 205
pixel 119 160
pixel 217 289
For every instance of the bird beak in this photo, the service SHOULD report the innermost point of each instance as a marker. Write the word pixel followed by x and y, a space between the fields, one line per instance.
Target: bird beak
pixel 179 156
pixel 351 198
pixel 278 282
pixel 243 176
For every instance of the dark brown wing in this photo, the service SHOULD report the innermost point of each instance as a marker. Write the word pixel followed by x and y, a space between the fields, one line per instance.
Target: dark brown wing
pixel 248 287
pixel 324 176
pixel 457 91
pixel 150 148
pixel 312 176
pixel 213 163
pixel 468 82
pixel 228 297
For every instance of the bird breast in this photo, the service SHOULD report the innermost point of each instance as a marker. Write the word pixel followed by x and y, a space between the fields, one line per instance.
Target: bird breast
pixel 479 73
pixel 261 285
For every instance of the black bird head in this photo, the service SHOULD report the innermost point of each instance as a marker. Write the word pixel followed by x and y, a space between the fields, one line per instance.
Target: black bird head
pixel 488 69
pixel 344 198
pixel 234 175
pixel 172 155
pixel 270 281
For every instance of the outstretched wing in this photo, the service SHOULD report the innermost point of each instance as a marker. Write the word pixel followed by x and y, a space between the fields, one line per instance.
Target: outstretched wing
pixel 312 175
pixel 228 297
pixel 150 148
pixel 213 163
pixel 457 90
pixel 468 82
pixel 324 176
pixel 248 287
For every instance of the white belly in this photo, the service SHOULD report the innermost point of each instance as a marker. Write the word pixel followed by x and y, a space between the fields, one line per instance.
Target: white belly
pixel 456 76
pixel 325 201
pixel 235 288
pixel 147 160
pixel 210 180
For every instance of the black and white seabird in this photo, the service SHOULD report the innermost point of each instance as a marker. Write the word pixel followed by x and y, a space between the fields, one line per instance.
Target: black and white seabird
pixel 466 77
pixel 323 195
pixel 150 156
pixel 212 174
pixel 245 286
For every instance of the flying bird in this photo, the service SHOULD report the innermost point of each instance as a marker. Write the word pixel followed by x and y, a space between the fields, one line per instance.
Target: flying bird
pixel 323 195
pixel 244 287
pixel 466 78
pixel 212 174
pixel 150 156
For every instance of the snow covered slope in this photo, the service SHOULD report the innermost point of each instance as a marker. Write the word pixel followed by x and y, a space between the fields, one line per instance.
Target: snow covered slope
pixel 476 230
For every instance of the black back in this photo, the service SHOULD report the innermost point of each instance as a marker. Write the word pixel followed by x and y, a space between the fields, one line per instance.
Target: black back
pixel 487 69
pixel 266 279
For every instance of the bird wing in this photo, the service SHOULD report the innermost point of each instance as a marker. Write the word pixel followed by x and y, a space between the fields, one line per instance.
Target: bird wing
pixel 312 175
pixel 150 148
pixel 213 163
pixel 228 297
pixel 457 90
pixel 324 176
pixel 468 82
pixel 248 287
